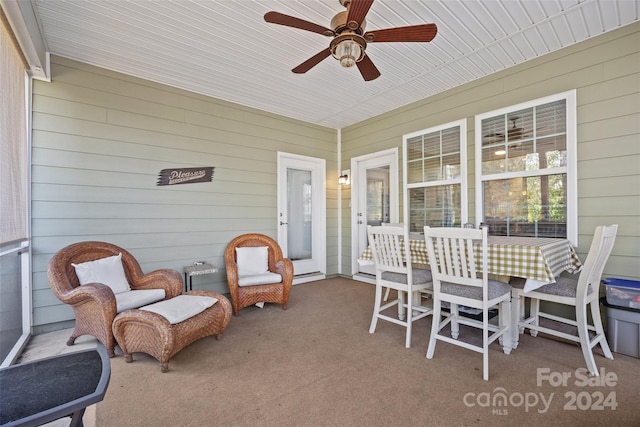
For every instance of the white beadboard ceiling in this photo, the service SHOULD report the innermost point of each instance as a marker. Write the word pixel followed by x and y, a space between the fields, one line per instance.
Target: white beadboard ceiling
pixel 225 49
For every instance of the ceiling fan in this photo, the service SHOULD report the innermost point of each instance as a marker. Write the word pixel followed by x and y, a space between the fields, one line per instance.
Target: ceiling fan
pixel 349 37
pixel 514 133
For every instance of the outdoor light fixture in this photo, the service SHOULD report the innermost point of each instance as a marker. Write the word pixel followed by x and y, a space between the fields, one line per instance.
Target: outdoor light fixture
pixel 343 179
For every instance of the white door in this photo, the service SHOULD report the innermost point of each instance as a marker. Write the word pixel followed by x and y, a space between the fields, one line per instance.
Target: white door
pixel 301 213
pixel 374 199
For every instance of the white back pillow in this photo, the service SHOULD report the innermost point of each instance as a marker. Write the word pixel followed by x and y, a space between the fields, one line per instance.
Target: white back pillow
pixel 108 271
pixel 252 260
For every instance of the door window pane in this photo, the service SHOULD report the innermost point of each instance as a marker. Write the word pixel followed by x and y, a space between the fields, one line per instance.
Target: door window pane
pixel 378 195
pixel 299 242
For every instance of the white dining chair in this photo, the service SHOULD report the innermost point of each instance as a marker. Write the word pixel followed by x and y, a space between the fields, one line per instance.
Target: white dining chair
pixel 388 244
pixel 393 224
pixel 582 294
pixel 426 293
pixel 461 279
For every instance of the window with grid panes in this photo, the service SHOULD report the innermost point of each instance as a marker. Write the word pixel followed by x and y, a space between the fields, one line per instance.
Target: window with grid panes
pixel 525 168
pixel 435 177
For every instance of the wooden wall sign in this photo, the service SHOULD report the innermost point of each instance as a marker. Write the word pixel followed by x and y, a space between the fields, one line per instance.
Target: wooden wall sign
pixel 185 175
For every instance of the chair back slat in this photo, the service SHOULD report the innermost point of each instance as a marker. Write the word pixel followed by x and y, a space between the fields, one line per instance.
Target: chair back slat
pixel 455 254
pixel 601 246
pixel 388 247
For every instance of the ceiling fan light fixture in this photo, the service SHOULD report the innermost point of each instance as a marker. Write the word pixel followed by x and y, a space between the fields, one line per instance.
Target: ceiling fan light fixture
pixel 348 49
pixel 348 52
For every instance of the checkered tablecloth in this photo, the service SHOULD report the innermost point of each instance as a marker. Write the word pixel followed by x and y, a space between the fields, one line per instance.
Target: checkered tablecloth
pixel 534 258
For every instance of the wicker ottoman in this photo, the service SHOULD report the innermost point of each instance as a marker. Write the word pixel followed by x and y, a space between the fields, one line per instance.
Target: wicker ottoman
pixel 147 332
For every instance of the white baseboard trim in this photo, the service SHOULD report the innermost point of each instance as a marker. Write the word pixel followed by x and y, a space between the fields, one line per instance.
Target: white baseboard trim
pixel 367 278
pixel 311 277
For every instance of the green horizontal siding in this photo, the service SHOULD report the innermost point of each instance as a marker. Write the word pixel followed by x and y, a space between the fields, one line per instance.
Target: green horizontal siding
pixel 99 141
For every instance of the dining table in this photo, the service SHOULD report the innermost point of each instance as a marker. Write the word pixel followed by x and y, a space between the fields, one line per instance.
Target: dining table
pixel 539 260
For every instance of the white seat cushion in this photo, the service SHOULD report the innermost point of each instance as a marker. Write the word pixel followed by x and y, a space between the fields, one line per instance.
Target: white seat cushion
pixel 259 279
pixel 495 289
pixel 181 308
pixel 420 276
pixel 136 299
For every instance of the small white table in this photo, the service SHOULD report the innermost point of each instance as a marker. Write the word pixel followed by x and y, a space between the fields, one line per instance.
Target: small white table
pixel 197 270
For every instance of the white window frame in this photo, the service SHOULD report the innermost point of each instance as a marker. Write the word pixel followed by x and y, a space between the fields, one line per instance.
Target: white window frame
pixel 570 169
pixel 462 179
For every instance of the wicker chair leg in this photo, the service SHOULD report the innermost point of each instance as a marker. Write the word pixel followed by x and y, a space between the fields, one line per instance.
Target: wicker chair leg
pixel 111 352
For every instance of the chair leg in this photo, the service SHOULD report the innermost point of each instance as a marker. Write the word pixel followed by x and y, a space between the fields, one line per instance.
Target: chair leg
pixel 516 318
pixel 534 311
pixel 583 335
pixel 435 327
pixel 507 343
pixel 376 310
pixel 485 345
pixel 455 326
pixel 521 311
pixel 409 315
pixel 401 314
pixel 386 294
pixel 597 323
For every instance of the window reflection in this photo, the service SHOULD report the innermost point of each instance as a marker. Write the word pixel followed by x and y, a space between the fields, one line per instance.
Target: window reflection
pixel 438 206
pixel 530 206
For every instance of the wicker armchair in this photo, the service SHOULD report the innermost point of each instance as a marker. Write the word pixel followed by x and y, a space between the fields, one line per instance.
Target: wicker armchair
pixel 94 304
pixel 244 296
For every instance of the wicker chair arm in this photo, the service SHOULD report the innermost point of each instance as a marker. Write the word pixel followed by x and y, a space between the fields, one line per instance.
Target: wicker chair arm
pixel 98 293
pixel 231 266
pixel 167 279
pixel 284 267
pixel 232 278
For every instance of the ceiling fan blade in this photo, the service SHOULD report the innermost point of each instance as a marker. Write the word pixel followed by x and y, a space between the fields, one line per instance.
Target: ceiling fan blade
pixel 412 33
pixel 312 62
pixel 358 9
pixel 367 69
pixel 291 21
